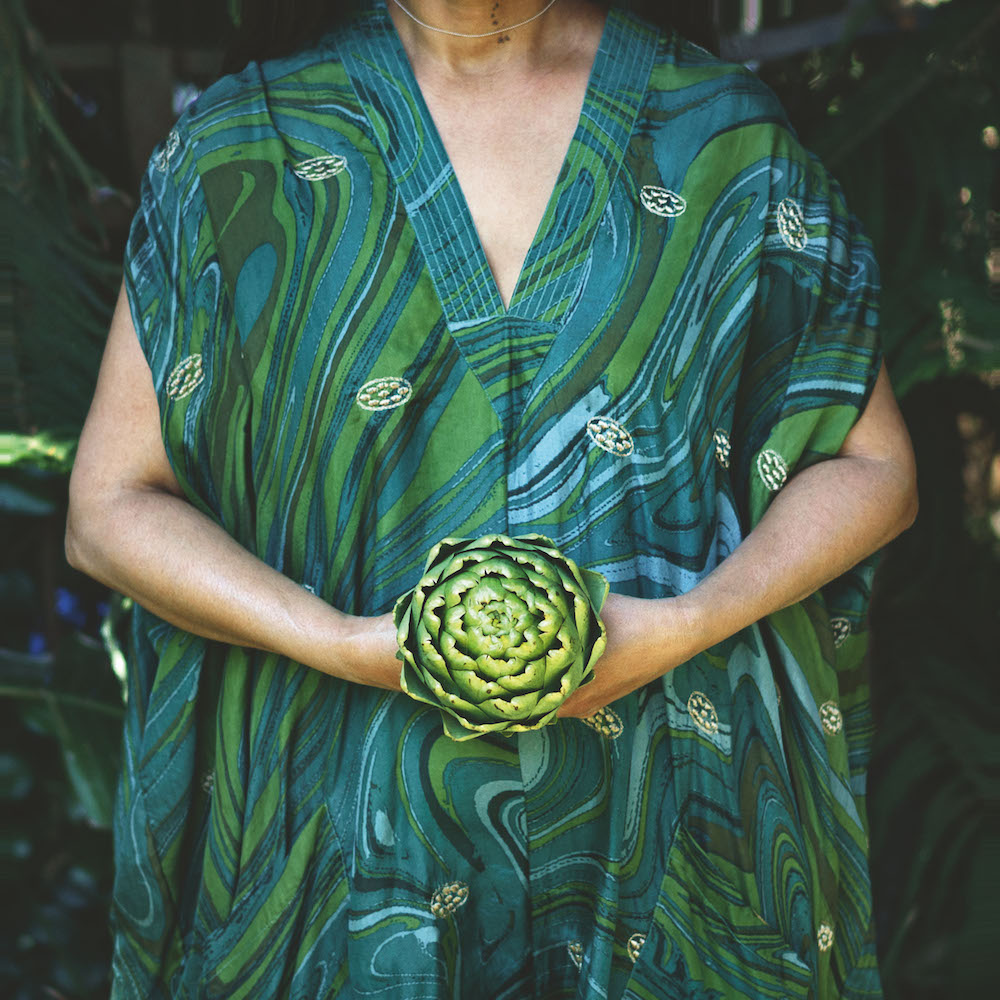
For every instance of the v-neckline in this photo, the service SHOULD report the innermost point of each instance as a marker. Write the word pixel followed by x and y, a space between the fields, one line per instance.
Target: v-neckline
pixel 555 263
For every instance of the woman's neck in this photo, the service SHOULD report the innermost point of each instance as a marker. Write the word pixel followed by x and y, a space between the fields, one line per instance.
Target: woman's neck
pixel 476 17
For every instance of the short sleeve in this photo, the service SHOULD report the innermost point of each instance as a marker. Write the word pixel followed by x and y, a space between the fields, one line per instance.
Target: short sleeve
pixel 162 241
pixel 813 352
pixel 812 357
pixel 182 314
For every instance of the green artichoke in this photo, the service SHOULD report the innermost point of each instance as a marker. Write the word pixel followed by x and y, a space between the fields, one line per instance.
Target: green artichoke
pixel 499 632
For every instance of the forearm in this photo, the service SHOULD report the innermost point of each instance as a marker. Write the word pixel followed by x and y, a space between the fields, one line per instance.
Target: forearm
pixel 825 520
pixel 175 561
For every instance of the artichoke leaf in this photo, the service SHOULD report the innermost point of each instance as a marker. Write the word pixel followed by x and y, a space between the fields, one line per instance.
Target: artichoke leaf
pixel 598 588
pixel 453 702
pixel 550 702
pixel 413 683
pixel 456 587
pixel 530 678
pixel 458 729
pixel 475 687
pixel 433 612
pixel 549 591
pixel 494 667
pixel 401 612
pixel 427 656
pixel 453 656
pixel 517 707
pixel 531 643
pixel 443 550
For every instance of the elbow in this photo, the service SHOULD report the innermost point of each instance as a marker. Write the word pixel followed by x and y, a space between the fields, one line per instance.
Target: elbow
pixel 908 503
pixel 74 543
pixel 911 499
pixel 911 508
pixel 71 547
pixel 83 526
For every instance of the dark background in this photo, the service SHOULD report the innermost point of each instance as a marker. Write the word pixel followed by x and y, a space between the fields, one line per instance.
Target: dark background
pixel 901 100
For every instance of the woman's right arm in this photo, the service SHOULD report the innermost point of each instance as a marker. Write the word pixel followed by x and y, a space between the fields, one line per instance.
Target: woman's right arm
pixel 130 528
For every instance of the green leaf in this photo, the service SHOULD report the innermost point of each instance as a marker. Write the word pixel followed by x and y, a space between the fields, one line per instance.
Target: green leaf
pixel 598 588
pixel 90 748
pixel 45 451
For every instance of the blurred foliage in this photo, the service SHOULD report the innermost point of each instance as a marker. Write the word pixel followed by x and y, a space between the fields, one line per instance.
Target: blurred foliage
pixel 903 121
pixel 935 779
pixel 63 277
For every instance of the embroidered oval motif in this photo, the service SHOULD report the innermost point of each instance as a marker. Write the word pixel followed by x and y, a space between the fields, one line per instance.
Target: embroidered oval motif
pixel 830 715
pixel 162 159
pixel 841 629
pixel 722 447
pixel 824 937
pixel 635 943
pixel 448 898
pixel 605 721
pixel 772 469
pixel 318 168
pixel 661 201
pixel 575 949
pixel 702 711
pixel 384 393
pixel 792 224
pixel 610 435
pixel 186 377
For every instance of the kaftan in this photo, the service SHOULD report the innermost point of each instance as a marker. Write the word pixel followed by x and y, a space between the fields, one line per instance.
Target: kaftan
pixel 340 387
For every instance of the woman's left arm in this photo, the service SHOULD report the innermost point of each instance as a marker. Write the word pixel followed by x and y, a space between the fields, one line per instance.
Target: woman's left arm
pixel 826 519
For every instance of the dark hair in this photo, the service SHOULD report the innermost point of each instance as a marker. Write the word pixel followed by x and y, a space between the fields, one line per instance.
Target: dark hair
pixel 270 28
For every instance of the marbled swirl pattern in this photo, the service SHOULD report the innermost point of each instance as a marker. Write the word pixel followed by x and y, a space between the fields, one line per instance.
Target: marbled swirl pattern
pixel 281 833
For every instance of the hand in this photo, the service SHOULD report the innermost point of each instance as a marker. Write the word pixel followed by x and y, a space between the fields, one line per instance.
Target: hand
pixel 646 639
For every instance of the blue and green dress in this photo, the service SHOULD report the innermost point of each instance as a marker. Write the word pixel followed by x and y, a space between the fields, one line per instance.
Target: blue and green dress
pixel 340 386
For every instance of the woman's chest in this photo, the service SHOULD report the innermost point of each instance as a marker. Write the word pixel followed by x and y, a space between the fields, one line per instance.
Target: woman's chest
pixel 507 150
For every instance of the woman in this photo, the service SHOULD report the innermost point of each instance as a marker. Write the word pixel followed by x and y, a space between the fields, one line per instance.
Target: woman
pixel 459 267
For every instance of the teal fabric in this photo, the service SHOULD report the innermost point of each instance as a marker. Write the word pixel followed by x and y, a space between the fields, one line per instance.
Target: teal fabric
pixel 340 387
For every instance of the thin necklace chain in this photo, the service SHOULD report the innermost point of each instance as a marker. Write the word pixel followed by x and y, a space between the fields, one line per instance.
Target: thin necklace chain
pixel 483 34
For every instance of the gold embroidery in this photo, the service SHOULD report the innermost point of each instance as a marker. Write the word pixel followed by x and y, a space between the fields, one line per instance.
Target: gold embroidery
pixel 635 943
pixel 384 393
pixel 162 159
pixel 661 201
pixel 772 469
pixel 605 721
pixel 319 168
pixel 610 435
pixel 792 224
pixel 703 712
pixel 449 898
pixel 830 715
pixel 841 628
pixel 575 949
pixel 824 937
pixel 722 447
pixel 186 377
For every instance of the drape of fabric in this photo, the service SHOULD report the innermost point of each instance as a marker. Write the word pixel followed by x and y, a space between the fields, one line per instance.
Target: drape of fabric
pixel 340 387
